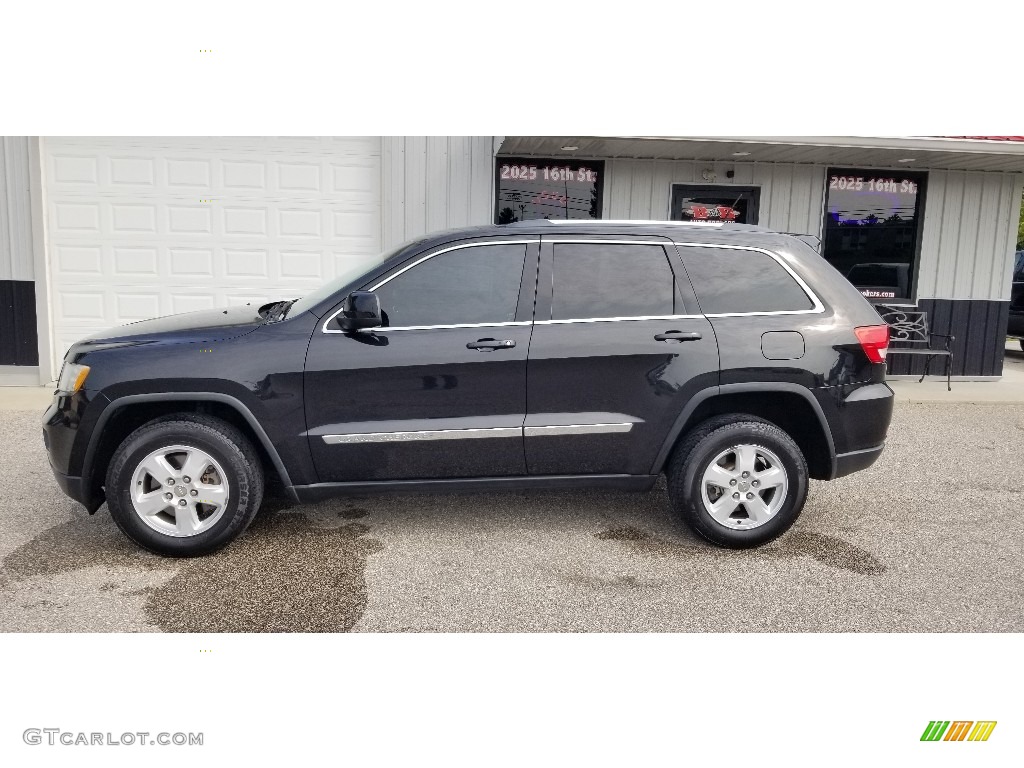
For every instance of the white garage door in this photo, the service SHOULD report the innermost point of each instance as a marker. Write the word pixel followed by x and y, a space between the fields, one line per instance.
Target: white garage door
pixel 143 227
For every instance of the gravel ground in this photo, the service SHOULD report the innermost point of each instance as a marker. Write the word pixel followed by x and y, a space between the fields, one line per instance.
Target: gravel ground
pixel 929 539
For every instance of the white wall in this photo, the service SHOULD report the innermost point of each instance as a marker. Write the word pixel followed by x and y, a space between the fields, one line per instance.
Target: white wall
pixel 16 255
pixel 968 235
pixel 430 183
pixel 970 232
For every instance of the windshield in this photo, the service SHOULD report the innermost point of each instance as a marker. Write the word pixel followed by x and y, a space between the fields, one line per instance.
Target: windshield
pixel 353 268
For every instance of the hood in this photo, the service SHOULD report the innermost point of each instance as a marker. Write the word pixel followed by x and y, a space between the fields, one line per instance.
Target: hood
pixel 195 327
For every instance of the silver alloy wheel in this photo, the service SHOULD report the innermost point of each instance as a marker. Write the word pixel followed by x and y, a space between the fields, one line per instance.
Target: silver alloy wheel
pixel 179 491
pixel 744 487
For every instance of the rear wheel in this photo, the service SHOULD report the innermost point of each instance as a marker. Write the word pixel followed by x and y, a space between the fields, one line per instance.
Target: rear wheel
pixel 737 481
pixel 184 485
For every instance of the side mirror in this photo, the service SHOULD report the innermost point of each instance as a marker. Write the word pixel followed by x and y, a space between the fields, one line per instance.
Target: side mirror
pixel 360 310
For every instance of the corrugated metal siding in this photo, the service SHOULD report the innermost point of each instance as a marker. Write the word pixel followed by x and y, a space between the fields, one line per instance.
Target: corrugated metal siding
pixel 968 236
pixel 970 230
pixel 16 257
pixel 791 195
pixel 431 183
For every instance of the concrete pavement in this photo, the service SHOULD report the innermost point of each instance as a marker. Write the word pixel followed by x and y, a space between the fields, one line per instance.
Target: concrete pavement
pixel 928 539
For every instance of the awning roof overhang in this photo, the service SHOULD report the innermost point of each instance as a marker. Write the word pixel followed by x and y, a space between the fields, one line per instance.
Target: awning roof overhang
pixel 868 152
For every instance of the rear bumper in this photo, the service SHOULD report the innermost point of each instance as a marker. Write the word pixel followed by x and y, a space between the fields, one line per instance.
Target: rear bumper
pixel 859 421
pixel 854 461
pixel 1015 325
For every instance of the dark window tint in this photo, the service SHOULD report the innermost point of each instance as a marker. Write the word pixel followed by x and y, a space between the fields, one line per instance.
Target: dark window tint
pixel 478 284
pixel 728 280
pixel 595 280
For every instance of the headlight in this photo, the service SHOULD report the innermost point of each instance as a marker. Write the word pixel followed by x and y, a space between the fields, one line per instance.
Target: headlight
pixel 72 377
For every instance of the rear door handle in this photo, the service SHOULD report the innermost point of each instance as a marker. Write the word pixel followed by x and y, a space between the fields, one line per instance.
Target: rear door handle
pixel 678 336
pixel 491 344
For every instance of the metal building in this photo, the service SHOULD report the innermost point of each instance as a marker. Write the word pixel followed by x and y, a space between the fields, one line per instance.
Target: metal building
pixel 95 232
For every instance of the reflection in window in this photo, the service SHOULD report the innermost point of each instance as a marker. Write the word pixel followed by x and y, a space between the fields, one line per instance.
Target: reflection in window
pixel 728 280
pixel 532 188
pixel 597 280
pixel 479 284
pixel 872 228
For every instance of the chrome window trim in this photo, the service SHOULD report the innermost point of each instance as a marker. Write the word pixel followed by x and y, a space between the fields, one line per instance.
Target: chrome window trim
pixel 437 327
pixel 816 309
pixel 476 432
pixel 389 278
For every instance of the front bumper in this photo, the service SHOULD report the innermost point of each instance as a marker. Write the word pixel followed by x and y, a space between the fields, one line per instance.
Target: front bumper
pixel 65 442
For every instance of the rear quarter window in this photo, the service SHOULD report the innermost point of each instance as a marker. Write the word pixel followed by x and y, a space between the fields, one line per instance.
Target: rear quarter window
pixel 728 280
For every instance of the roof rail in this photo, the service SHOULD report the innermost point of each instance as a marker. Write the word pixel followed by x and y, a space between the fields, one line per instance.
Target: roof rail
pixel 617 222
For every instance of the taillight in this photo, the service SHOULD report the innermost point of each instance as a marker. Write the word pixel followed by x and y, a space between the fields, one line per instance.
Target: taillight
pixel 874 340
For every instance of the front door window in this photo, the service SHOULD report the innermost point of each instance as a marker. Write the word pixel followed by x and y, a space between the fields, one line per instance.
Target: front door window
pixel 476 285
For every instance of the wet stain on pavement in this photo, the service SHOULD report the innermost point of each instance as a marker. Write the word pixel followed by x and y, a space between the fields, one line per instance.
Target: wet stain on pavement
pixel 828 550
pixel 623 533
pixel 624 582
pixel 831 551
pixel 353 513
pixel 287 573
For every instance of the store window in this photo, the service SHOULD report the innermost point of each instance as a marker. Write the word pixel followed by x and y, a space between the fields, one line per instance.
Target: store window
pixel 711 202
pixel 532 188
pixel 872 229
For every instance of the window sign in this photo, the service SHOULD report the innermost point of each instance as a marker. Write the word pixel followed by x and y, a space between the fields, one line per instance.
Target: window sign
pixel 873 229
pixel 708 202
pixel 532 188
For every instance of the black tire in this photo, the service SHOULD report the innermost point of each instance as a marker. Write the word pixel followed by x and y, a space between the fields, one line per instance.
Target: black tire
pixel 1021 342
pixel 695 453
pixel 226 444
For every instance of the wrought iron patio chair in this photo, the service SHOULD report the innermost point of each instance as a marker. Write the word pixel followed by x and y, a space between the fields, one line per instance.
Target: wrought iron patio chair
pixel 910 326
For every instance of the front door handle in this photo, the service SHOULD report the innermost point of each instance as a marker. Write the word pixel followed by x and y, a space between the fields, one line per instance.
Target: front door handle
pixel 491 344
pixel 678 336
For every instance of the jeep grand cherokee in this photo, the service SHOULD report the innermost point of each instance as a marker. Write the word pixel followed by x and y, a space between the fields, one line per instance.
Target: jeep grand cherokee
pixel 541 354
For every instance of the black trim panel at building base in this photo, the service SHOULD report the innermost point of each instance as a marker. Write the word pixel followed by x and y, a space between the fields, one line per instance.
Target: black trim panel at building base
pixel 18 342
pixel 979 328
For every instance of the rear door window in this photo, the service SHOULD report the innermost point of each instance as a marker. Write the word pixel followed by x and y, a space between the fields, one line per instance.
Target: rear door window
pixel 733 281
pixel 604 280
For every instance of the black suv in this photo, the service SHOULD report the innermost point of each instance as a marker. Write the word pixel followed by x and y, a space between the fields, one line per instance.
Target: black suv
pixel 532 355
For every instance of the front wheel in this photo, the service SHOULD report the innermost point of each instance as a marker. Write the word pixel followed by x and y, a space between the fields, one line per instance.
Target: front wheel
pixel 184 485
pixel 738 483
